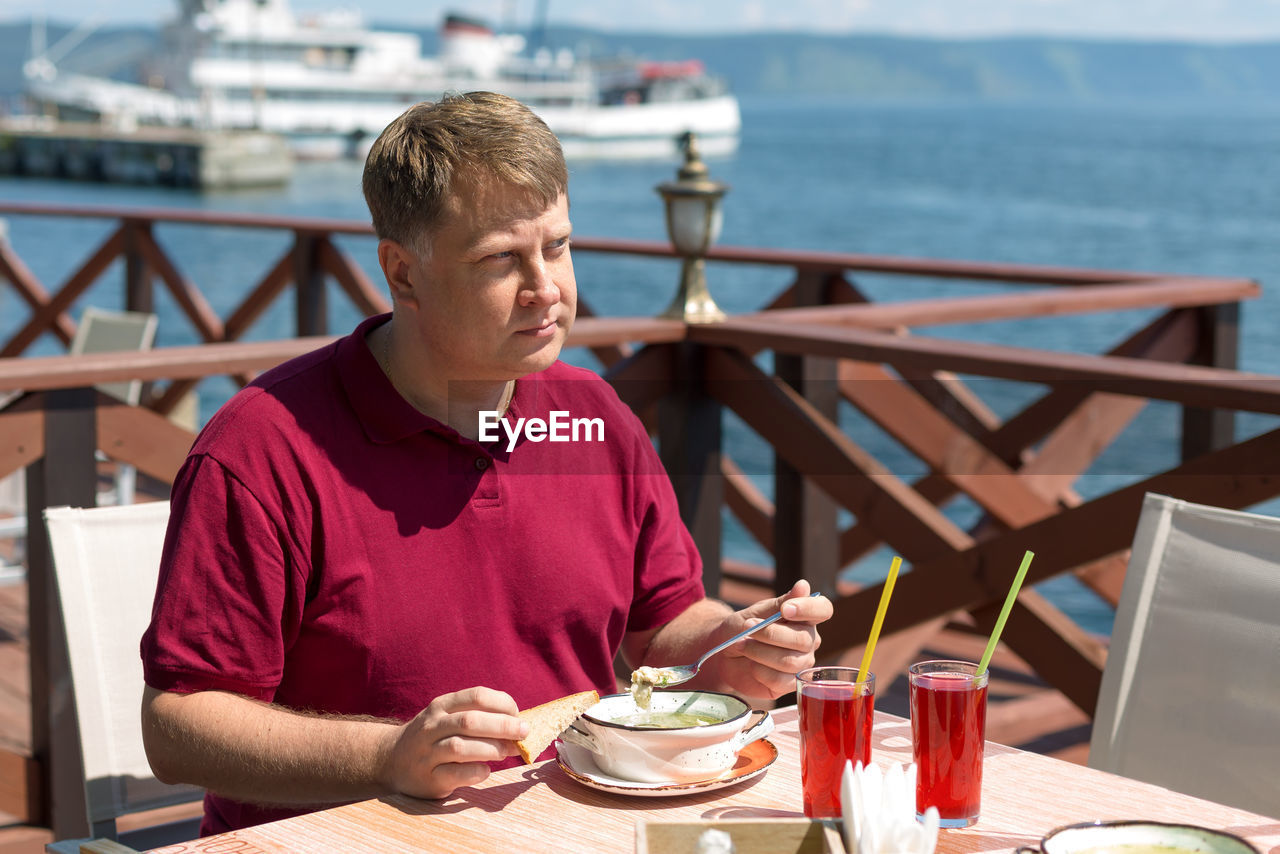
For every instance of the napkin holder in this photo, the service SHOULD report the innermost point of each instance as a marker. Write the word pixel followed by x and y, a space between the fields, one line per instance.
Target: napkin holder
pixel 880 811
pixel 750 836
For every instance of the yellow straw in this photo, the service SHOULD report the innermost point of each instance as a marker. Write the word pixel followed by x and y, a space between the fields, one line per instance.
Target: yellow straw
pixel 1004 613
pixel 879 620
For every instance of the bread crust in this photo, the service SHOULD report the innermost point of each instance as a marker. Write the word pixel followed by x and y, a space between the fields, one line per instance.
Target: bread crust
pixel 550 719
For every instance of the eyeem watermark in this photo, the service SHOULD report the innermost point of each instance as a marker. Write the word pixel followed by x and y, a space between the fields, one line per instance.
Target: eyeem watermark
pixel 560 428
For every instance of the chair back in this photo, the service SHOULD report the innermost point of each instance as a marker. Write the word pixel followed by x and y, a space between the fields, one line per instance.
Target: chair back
pixel 103 331
pixel 106 562
pixel 1189 694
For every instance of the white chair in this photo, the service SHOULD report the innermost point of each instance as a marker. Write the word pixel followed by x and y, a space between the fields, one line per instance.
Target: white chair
pixel 103 331
pixel 106 562
pixel 99 331
pixel 1190 696
pixel 13 526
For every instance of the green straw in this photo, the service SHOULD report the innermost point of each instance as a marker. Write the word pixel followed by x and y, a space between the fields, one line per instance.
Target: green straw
pixel 879 620
pixel 1004 613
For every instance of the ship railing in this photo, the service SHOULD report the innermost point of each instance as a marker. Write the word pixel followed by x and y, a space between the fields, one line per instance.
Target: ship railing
pixel 834 352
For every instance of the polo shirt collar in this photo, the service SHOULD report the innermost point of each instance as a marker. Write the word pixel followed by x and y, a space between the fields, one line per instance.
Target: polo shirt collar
pixel 385 416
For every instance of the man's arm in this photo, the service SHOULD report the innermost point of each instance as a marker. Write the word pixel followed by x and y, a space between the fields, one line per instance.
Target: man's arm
pixel 763 665
pixel 259 753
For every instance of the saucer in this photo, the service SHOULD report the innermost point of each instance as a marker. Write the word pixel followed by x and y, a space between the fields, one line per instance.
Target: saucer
pixel 578 763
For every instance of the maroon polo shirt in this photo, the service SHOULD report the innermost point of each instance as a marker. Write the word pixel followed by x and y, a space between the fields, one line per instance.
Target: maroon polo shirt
pixel 332 549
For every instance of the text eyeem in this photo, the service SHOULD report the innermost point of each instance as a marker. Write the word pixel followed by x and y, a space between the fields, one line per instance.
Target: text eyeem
pixel 559 428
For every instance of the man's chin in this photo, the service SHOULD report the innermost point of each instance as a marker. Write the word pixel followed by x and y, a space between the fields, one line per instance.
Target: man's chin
pixel 542 359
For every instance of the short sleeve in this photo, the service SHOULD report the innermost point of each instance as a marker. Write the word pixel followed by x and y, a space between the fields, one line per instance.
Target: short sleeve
pixel 229 598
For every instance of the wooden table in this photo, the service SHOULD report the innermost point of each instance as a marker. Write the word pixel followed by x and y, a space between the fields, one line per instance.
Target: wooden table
pixel 540 809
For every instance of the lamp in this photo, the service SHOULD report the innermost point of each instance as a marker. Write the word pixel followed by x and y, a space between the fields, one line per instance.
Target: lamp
pixel 693 223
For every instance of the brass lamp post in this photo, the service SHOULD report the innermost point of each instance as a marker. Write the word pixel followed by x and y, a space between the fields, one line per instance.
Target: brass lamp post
pixel 693 224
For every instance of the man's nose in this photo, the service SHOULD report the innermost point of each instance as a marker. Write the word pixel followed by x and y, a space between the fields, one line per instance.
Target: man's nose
pixel 539 285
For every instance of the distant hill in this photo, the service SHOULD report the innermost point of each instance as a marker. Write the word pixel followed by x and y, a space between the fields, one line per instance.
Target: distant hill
pixel 1029 68
pixel 1032 68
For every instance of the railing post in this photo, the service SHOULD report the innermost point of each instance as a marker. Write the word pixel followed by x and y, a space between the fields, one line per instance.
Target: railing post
pixel 689 443
pixel 66 474
pixel 138 275
pixel 1205 430
pixel 806 541
pixel 308 277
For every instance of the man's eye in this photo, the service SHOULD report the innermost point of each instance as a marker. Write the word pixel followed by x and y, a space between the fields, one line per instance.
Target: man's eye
pixel 501 255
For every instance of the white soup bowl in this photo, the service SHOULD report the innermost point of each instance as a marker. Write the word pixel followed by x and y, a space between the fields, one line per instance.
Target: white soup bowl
pixel 682 754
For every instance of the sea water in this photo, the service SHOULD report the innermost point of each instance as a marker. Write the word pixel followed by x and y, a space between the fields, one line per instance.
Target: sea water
pixel 1179 188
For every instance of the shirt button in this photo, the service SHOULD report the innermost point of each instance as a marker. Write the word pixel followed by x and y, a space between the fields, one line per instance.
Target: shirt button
pixel 482 463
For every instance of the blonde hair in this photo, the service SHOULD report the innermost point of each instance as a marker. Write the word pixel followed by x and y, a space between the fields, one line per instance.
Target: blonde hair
pixel 483 137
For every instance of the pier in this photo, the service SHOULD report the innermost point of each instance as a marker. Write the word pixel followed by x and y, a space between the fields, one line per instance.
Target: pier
pixel 175 157
pixel 833 349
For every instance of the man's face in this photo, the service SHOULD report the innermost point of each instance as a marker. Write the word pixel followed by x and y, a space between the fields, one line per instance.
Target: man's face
pixel 495 294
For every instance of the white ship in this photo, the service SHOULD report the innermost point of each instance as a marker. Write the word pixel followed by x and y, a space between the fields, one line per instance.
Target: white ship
pixel 330 85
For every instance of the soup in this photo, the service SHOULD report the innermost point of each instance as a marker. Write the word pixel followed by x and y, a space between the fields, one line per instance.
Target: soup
pixel 644 680
pixel 1136 848
pixel 672 720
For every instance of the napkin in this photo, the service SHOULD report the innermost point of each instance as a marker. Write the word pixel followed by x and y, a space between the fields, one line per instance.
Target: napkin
pixel 880 811
pixel 713 841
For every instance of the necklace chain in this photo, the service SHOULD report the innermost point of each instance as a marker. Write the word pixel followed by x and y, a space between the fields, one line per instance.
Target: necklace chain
pixel 508 391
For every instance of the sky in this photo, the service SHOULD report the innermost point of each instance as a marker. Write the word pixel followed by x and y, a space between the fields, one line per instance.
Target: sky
pixel 1201 20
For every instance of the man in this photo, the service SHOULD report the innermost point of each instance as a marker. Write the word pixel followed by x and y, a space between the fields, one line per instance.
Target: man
pixel 362 585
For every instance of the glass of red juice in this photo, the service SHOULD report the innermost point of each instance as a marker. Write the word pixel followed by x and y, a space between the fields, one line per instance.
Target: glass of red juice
pixel 835 725
pixel 948 730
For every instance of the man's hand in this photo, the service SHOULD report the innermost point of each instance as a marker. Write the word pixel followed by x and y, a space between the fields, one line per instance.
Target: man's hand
pixel 259 753
pixel 448 744
pixel 763 665
pixel 766 663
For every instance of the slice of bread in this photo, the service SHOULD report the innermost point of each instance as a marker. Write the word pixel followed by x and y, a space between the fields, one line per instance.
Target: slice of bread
pixel 550 719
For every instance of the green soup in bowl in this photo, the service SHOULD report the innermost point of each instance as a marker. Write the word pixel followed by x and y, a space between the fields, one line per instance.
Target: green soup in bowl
pixel 1139 837
pixel 684 736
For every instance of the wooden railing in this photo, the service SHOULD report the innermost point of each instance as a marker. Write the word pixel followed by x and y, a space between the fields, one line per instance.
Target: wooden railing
pixel 831 347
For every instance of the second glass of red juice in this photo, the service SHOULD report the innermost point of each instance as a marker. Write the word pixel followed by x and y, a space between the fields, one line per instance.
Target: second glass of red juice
pixel 836 711
pixel 948 730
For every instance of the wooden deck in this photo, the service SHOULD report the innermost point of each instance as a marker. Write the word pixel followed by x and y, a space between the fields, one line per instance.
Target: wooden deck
pixel 1024 712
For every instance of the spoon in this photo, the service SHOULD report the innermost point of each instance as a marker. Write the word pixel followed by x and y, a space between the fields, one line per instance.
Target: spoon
pixel 668 676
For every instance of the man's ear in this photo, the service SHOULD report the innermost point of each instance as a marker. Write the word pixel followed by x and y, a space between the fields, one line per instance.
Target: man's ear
pixel 397 262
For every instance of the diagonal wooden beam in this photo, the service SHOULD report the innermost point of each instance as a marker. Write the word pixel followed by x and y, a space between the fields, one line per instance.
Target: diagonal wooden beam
pixel 1170 337
pixel 142 438
pixel 1072 446
pixel 47 316
pixel 1056 647
pixel 1239 476
pixel 643 378
pixel 184 291
pixel 31 291
pixel 249 310
pixel 943 389
pixel 1058 650
pixel 260 297
pixel 748 503
pixel 951 452
pixel 352 279
pixel 817 448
